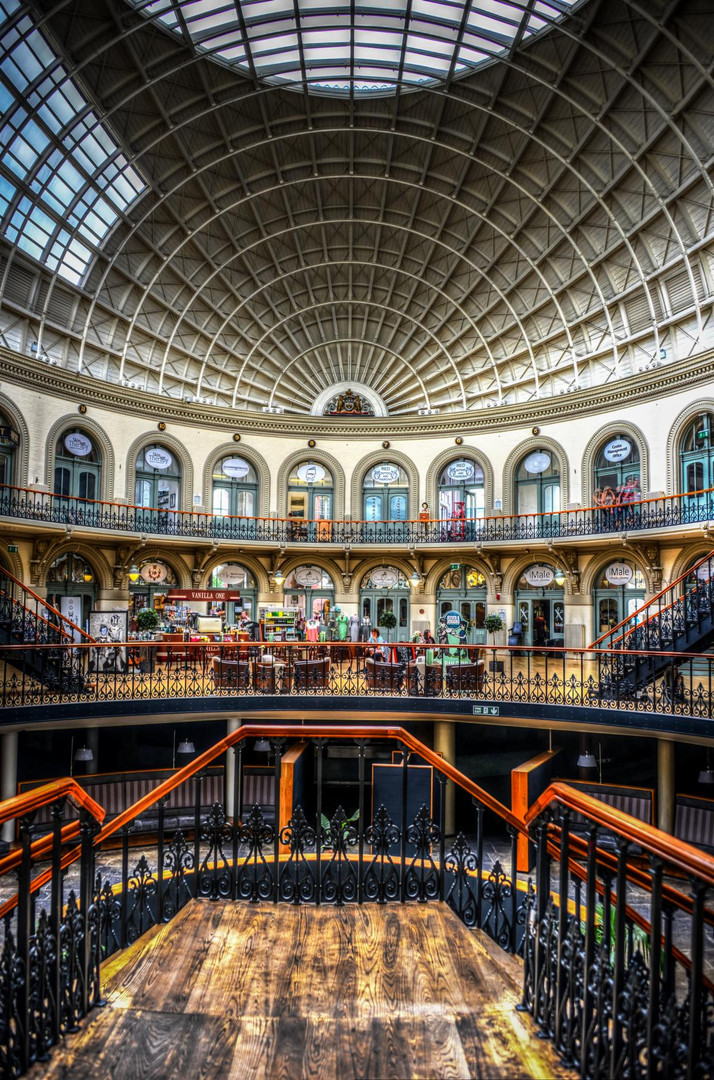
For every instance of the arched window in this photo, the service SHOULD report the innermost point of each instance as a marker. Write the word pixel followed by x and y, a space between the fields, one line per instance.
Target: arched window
pixel 385 493
pixel 235 488
pixel 538 483
pixel 158 483
pixel 78 465
pixel 461 497
pixel 617 464
pixel 310 501
pixel 9 442
pixel 696 454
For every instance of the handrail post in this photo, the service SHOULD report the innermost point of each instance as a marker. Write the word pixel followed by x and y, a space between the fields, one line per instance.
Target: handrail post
pixel 403 837
pixel 319 745
pixel 561 974
pixel 87 829
pixel 695 978
pixel 23 941
pixel 278 746
pixel 196 830
pixel 618 962
pixel 361 827
pixel 56 912
pixel 590 897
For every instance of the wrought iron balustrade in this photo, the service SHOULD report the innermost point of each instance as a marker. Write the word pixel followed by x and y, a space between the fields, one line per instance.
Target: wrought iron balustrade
pixel 28 504
pixel 612 946
pixel 477 679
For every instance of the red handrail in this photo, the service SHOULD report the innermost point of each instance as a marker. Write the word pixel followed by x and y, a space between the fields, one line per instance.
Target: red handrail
pixel 19 805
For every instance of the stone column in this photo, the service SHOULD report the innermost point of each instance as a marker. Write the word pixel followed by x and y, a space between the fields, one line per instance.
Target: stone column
pixel 232 726
pixel 665 785
pixel 445 744
pixel 8 779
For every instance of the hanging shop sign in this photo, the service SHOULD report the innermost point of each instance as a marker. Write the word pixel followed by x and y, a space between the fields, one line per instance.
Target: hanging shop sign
pixel 214 596
pixel 235 467
pixel 158 458
pixel 78 444
pixel 385 577
pixel 231 574
pixel 460 470
pixel 452 621
pixel 705 571
pixel 310 577
pixel 385 474
pixel 619 573
pixel 538 462
pixel 153 573
pixel 617 450
pixel 539 576
pixel 311 473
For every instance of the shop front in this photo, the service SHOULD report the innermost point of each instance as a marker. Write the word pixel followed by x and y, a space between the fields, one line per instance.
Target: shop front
pixel 463 588
pixel 619 592
pixel 235 577
pixel 149 584
pixel 384 592
pixel 540 605
pixel 310 589
pixel 72 588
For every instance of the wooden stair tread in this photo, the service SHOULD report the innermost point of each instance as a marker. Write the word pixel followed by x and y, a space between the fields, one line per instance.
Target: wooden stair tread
pixel 230 990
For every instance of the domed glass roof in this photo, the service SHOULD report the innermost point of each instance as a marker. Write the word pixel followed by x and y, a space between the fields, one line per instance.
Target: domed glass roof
pixel 333 47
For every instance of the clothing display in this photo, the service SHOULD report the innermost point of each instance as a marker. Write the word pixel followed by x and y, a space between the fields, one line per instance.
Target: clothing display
pixel 312 631
pixel 354 628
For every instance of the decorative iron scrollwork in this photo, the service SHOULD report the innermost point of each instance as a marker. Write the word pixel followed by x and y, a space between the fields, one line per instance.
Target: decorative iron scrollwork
pixel 381 877
pixel 254 877
pixel 297 879
pixel 422 874
pixel 214 879
pixel 462 863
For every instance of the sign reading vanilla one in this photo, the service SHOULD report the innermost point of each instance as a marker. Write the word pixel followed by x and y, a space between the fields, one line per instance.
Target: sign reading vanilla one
pixel 617 450
pixel 78 444
pixel 311 473
pixel 158 458
pixel 235 467
pixel 539 576
pixel 385 474
pixel 619 573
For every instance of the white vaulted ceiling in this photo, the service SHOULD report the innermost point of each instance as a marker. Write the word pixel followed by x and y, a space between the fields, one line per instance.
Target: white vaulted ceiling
pixel 250 230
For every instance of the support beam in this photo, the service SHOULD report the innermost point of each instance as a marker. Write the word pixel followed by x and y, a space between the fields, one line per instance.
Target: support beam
pixel 232 726
pixel 8 779
pixel 665 785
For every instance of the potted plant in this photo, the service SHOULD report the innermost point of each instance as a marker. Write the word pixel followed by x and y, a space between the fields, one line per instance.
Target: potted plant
pixel 493 624
pixel 388 621
pixel 146 620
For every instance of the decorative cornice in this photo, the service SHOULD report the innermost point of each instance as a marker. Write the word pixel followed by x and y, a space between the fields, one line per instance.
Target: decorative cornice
pixel 17 369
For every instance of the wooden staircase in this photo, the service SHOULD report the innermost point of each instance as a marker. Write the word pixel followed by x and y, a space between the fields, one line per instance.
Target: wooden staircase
pixel 242 990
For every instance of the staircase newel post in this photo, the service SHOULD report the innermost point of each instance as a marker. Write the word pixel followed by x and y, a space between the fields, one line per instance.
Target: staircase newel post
pixel 161 824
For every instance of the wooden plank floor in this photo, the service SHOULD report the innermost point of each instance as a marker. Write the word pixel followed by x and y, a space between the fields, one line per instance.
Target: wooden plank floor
pixel 228 991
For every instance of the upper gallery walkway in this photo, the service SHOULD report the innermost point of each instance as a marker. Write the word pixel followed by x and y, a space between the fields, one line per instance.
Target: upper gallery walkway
pixel 653 514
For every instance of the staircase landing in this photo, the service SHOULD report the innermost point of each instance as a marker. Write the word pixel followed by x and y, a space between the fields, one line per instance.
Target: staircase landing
pixel 233 990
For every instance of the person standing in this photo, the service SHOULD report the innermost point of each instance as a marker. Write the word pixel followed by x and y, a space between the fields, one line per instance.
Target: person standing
pixel 540 628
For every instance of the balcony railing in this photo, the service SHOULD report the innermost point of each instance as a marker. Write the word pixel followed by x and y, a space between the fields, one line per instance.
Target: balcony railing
pixel 611 929
pixel 484 680
pixel 687 508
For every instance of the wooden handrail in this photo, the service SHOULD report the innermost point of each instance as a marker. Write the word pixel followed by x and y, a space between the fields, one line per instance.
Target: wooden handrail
pixel 682 856
pixel 44 602
pixel 19 805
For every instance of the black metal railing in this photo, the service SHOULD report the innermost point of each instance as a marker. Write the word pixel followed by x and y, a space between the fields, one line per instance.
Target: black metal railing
pixel 618 996
pixel 27 504
pixel 612 947
pixel 484 679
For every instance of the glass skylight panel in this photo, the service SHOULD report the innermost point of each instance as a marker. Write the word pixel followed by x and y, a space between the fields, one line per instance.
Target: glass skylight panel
pixel 59 152
pixel 339 38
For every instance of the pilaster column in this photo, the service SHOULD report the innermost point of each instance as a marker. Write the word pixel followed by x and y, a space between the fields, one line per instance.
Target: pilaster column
pixel 665 785
pixel 445 744
pixel 8 778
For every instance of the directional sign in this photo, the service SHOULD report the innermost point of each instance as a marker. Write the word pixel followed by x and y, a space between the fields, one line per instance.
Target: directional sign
pixel 486 710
